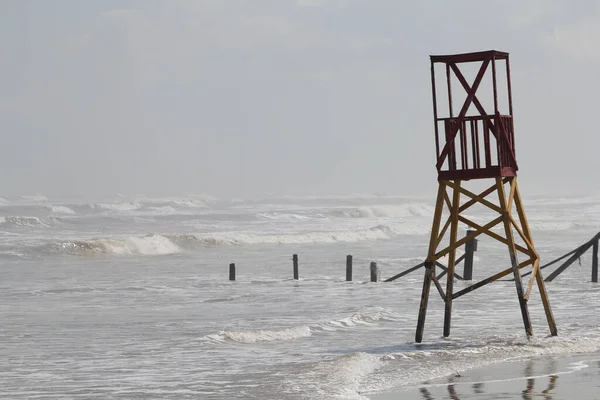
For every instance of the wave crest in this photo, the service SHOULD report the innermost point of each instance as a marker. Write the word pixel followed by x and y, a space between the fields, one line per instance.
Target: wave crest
pixel 261 336
pixel 387 211
pixel 27 222
pixel 147 245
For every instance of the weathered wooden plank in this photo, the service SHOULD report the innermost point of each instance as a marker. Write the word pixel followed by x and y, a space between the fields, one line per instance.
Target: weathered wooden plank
pixel 595 262
pixel 438 287
pixel 443 267
pixel 570 261
pixel 408 271
pixel 490 233
pixel 348 268
pixel 424 300
pixel 470 247
pixel 374 272
pixel 475 197
pixel 295 262
pixel 513 259
pixel 232 272
pixel 452 257
pixel 489 280
pixel 429 264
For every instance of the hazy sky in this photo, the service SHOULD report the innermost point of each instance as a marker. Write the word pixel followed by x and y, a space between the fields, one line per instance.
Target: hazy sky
pixel 248 98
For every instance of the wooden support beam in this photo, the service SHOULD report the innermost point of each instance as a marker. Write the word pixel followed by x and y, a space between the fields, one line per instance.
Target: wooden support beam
pixel 470 248
pixel 443 232
pixel 570 261
pixel 408 271
pixel 534 272
pixel 479 230
pixel 295 262
pixel 511 195
pixel 443 268
pixel 438 287
pixel 232 272
pixel 481 195
pixel 595 262
pixel 513 258
pixel 447 199
pixel 475 197
pixel 348 268
pixel 489 280
pixel 429 264
pixel 527 241
pixel 424 300
pixel 553 262
pixel 492 234
pixel 452 257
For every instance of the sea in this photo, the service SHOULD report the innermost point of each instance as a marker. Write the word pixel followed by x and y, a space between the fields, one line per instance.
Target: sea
pixel 120 297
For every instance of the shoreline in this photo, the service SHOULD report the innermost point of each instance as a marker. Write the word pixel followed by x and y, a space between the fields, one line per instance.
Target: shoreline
pixel 545 377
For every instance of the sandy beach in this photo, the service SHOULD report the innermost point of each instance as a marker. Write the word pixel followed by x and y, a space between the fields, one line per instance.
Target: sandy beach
pixel 575 377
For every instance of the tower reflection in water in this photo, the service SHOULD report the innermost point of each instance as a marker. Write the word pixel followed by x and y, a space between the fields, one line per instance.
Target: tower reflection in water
pixel 529 393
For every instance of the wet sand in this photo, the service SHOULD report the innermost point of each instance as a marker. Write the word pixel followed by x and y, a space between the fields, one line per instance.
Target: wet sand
pixel 556 377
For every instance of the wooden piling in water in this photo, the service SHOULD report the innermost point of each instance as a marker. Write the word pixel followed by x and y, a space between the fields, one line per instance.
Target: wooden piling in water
pixel 295 261
pixel 470 249
pixel 374 272
pixel 232 272
pixel 348 267
pixel 595 262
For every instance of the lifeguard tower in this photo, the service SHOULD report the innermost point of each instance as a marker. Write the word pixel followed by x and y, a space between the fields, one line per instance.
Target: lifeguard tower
pixel 478 144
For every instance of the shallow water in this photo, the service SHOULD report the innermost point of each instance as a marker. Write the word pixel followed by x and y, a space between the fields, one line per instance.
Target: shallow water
pixel 129 298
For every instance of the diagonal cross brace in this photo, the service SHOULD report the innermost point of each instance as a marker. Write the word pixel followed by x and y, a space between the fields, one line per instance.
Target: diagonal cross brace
pixel 470 96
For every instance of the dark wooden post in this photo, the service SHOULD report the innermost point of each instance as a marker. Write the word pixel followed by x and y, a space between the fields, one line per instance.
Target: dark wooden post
pixel 348 267
pixel 374 272
pixel 595 262
pixel 295 260
pixel 470 248
pixel 232 272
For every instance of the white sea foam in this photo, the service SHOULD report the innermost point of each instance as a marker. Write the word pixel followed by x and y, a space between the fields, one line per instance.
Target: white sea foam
pixel 165 210
pixel 36 198
pixel 30 222
pixel 357 319
pixel 338 377
pixel 274 216
pixel 261 336
pixel 375 233
pixel 549 226
pixel 132 245
pixel 385 211
pixel 4 202
pixel 418 366
pixel 190 203
pixel 124 206
pixel 58 209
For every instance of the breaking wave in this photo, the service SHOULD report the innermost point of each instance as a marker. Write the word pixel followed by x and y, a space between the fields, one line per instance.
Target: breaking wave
pixel 60 209
pixel 388 211
pixel 28 222
pixel 260 336
pixel 162 244
pixel 124 206
pixel 36 198
pixel 146 245
pixel 356 319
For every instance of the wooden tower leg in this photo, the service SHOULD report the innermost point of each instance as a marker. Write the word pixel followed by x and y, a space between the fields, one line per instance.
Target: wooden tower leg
pixel 430 262
pixel 513 255
pixel 452 256
pixel 538 271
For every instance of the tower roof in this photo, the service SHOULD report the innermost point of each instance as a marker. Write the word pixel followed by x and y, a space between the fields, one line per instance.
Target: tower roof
pixel 470 57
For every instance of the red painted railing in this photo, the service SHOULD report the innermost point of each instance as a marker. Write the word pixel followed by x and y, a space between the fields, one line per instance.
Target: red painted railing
pixel 482 146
